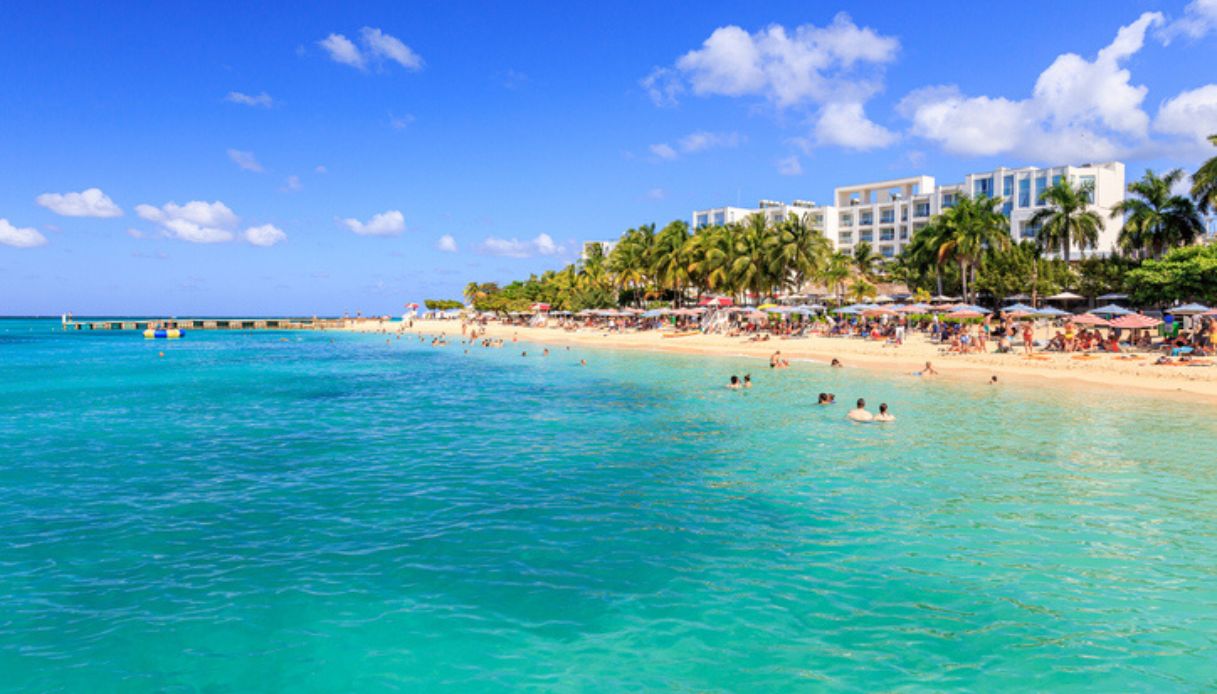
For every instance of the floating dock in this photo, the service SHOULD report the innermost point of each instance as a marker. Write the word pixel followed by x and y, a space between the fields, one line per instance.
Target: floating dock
pixel 142 324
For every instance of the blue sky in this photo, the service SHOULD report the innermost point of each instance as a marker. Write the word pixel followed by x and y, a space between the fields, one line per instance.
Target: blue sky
pixel 357 158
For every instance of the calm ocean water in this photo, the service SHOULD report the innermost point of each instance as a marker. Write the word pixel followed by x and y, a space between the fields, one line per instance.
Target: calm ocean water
pixel 305 511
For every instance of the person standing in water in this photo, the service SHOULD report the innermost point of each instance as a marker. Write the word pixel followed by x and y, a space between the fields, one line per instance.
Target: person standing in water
pixel 859 413
pixel 884 415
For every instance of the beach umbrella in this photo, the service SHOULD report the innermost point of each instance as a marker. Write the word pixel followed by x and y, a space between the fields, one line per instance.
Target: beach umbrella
pixel 883 299
pixel 848 310
pixel 1018 308
pixel 768 307
pixel 971 308
pixel 1188 310
pixel 812 307
pixel 1052 312
pixel 1110 310
pixel 715 301
pixel 412 307
pixel 1134 321
pixel 1115 296
pixel 876 312
pixel 653 313
pixel 1090 319
pixel 1018 297
pixel 539 307
pixel 1064 296
pixel 963 314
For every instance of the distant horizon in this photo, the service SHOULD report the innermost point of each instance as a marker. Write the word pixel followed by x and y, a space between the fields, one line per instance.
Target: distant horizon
pixel 351 161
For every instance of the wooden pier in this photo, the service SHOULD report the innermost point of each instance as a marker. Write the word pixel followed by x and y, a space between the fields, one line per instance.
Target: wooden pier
pixel 187 324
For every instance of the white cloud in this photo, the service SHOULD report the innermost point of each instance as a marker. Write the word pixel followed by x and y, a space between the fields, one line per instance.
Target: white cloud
pixel 663 86
pixel 834 68
pixel 663 151
pixel 19 237
pixel 245 160
pixel 694 142
pixel 266 235
pixel 1199 18
pixel 446 244
pixel 196 221
pixel 377 45
pixel 790 166
pixel 390 48
pixel 657 194
pixel 1078 109
pixel 87 203
pixel 263 100
pixel 846 125
pixel 320 168
pixel 401 122
pixel 388 223
pixel 703 140
pixel 292 184
pixel 341 50
pixel 1191 114
pixel 135 233
pixel 542 244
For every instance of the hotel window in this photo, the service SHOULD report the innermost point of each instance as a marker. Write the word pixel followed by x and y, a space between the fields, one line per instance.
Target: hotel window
pixel 1041 184
pixel 847 220
pixel 1028 231
pixel 1007 207
pixel 948 199
pixel 845 237
pixel 904 233
pixel 887 251
pixel 720 218
pixel 1007 187
pixel 867 218
pixel 1087 181
pixel 904 214
pixel 1024 192
pixel 702 220
pixel 922 210
pixel 887 234
pixel 867 236
pixel 887 216
pixel 1056 179
pixel 982 186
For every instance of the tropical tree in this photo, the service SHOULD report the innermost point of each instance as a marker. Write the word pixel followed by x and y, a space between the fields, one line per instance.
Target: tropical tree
pixel 966 229
pixel 1155 219
pixel 866 260
pixel 671 258
pixel 800 251
pixel 1067 221
pixel 837 271
pixel 1204 183
pixel 750 270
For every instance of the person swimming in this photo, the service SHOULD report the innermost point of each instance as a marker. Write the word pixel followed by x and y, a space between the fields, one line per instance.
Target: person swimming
pixel 859 413
pixel 836 363
pixel 884 415
pixel 747 380
pixel 582 362
pixel 734 384
pixel 929 370
pixel 825 399
pixel 993 380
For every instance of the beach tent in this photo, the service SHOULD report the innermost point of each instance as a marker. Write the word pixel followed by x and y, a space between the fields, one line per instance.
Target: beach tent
pixel 1052 312
pixel 1110 310
pixel 1188 310
pixel 1065 296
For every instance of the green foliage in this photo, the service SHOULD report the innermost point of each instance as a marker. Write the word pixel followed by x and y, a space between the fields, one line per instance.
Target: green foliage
pixel 1184 274
pixel 1155 219
pixel 442 304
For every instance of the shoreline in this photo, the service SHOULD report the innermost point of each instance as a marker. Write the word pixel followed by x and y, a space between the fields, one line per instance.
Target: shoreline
pixel 1105 372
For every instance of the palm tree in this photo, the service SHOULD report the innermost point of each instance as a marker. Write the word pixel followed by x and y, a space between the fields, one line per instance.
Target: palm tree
pixel 1067 221
pixel 866 260
pixel 836 272
pixel 713 255
pixel 968 228
pixel 750 269
pixel 799 251
pixel 472 291
pixel 671 258
pixel 1204 183
pixel 1156 219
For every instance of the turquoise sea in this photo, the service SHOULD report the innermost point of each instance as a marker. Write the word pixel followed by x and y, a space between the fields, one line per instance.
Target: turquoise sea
pixel 273 511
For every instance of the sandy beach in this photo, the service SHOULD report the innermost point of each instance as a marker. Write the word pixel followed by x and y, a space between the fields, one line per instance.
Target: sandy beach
pixel 1106 371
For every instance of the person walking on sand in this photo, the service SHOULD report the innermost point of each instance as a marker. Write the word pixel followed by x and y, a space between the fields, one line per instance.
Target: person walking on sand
pixel 859 413
pixel 1028 340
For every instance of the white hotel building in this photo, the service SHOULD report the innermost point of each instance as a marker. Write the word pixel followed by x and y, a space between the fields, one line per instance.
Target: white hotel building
pixel 886 214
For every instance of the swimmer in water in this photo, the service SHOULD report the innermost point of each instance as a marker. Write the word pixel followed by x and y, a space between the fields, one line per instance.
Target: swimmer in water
pixel 582 362
pixel 836 363
pixel 747 380
pixel 859 413
pixel 825 399
pixel 884 415
pixel 929 370
pixel 545 353
pixel 993 380
pixel 734 384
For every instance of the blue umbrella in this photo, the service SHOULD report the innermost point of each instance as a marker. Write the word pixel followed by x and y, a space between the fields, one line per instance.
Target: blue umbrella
pixel 1188 309
pixel 1052 312
pixel 848 310
pixel 1110 310
pixel 1018 307
pixel 653 313
pixel 970 307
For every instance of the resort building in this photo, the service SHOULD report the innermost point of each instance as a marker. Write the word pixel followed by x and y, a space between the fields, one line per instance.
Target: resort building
pixel 887 214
